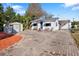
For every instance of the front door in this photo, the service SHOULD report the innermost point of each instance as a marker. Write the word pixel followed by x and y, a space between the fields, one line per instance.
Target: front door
pixel 41 25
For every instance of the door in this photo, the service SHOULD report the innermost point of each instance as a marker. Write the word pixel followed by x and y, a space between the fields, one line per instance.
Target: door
pixel 41 24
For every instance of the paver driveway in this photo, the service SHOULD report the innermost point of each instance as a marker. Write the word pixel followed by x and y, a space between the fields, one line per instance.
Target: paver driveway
pixel 37 43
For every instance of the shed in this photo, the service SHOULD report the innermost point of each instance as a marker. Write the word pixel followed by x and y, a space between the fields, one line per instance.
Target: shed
pixel 13 28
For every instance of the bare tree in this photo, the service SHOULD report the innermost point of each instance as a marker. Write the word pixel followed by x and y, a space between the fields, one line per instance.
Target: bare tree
pixel 34 10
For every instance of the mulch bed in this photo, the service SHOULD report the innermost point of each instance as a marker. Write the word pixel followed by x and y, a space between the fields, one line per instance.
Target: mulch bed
pixel 7 40
pixel 4 35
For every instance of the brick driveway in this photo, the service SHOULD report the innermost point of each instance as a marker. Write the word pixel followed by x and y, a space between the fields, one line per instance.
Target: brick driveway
pixel 35 43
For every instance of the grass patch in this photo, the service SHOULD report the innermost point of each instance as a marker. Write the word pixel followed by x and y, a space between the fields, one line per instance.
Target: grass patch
pixel 76 37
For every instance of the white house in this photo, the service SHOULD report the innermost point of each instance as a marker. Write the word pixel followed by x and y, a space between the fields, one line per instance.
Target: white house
pixel 45 24
pixel 36 25
pixel 14 27
pixel 50 24
pixel 64 24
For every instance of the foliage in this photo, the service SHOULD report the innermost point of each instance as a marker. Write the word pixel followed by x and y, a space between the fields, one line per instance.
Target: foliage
pixel 75 27
pixel 10 14
pixel 35 11
pixel 74 23
pixel 1 17
pixel 27 22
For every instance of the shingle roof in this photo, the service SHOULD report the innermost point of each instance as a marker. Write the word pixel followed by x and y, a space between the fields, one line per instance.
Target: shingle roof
pixel 46 20
pixel 50 19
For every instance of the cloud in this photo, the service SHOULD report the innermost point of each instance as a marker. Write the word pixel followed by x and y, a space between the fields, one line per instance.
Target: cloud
pixel 18 9
pixel 75 8
pixel 71 4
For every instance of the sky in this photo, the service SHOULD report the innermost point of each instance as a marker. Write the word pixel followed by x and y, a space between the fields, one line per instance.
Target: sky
pixel 61 10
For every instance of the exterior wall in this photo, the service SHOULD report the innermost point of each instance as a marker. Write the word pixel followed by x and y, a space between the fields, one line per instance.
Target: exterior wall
pixel 13 28
pixel 7 28
pixel 56 27
pixel 66 26
pixel 36 27
pixel 47 27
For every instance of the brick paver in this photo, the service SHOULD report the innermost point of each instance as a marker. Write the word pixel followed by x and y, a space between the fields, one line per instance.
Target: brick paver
pixel 35 43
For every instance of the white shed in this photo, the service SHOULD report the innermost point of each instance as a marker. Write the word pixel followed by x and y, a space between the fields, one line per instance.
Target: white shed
pixel 14 27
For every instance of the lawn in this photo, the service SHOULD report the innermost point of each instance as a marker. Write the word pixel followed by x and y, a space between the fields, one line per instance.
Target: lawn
pixel 76 37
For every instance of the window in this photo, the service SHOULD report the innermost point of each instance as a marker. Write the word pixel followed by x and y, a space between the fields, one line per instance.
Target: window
pixel 47 24
pixel 35 24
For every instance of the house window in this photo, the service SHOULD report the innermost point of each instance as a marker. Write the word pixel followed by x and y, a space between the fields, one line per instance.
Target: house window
pixel 47 24
pixel 35 24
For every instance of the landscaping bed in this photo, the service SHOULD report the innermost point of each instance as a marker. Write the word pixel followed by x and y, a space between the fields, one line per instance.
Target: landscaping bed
pixel 4 35
pixel 7 40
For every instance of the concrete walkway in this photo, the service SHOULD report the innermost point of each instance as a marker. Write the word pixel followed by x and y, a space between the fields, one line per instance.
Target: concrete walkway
pixel 35 43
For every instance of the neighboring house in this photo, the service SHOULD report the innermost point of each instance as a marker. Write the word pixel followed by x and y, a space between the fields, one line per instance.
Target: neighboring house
pixel 64 24
pixel 50 24
pixel 14 27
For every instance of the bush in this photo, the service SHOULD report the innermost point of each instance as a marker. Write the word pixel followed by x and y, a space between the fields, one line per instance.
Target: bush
pixel 73 30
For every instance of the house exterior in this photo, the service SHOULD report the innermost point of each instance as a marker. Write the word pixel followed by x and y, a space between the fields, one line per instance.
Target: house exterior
pixel 13 28
pixel 65 24
pixel 51 24
pixel 45 24
pixel 36 24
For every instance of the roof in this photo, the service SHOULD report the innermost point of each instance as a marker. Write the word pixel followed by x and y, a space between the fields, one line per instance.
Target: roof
pixel 46 20
pixel 13 23
pixel 64 21
pixel 50 19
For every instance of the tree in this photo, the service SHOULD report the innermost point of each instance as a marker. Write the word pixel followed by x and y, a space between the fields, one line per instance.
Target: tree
pixel 26 22
pixel 10 14
pixel 1 17
pixel 34 10
pixel 18 18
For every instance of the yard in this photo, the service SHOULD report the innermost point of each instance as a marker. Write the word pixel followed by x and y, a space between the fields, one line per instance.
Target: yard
pixel 76 37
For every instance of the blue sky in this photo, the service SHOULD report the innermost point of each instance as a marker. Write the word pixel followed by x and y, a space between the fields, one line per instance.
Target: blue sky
pixel 61 10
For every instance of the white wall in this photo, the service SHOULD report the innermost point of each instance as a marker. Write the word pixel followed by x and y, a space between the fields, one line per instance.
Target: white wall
pixel 56 27
pixel 36 27
pixel 66 26
pixel 47 27
pixel 15 28
pixel 52 27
